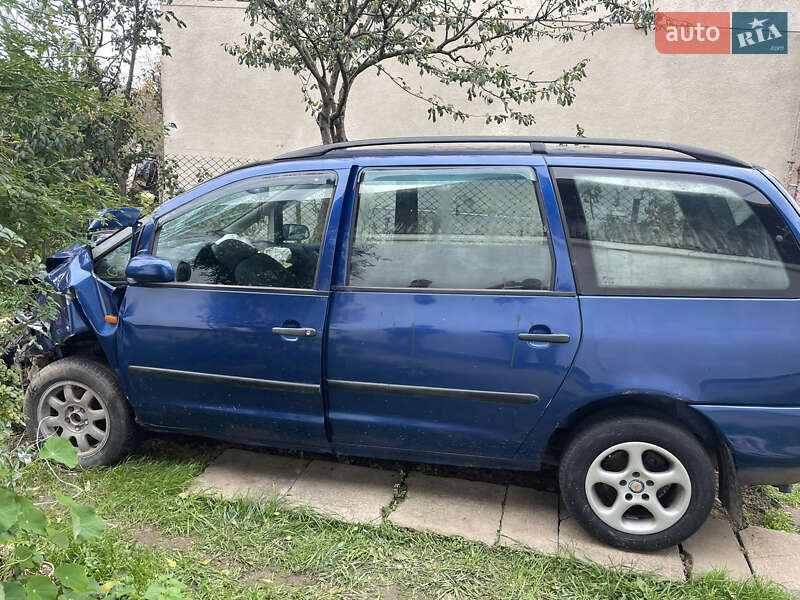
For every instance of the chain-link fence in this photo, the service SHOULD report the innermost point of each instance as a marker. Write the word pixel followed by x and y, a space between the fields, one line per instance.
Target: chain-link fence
pixel 470 207
pixel 181 172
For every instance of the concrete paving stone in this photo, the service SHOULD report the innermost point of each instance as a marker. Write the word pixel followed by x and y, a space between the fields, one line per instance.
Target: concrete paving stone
pixel 244 473
pixel 530 518
pixel 448 506
pixel 572 538
pixel 347 492
pixel 715 546
pixel 774 555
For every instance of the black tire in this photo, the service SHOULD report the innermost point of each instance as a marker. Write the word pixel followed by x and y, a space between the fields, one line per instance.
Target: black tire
pixel 586 448
pixel 121 431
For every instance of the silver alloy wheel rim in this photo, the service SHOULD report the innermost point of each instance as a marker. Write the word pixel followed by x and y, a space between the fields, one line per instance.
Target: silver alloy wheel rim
pixel 639 505
pixel 74 411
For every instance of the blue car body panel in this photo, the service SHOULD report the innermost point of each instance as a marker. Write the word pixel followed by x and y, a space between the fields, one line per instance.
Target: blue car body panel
pixel 731 362
pixel 87 300
pixel 763 440
pixel 453 341
pixel 222 343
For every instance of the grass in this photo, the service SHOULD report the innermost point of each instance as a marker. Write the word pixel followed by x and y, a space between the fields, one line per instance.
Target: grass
pixel 246 549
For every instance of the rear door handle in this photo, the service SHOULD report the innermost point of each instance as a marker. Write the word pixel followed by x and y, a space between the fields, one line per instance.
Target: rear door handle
pixel 295 331
pixel 553 338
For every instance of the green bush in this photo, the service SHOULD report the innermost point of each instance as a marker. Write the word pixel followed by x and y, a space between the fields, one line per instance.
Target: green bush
pixel 28 535
pixel 11 395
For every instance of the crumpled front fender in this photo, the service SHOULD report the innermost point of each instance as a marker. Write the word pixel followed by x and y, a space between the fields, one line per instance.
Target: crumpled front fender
pixel 86 300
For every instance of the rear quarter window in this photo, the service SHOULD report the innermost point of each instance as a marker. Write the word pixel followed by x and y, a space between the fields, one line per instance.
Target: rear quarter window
pixel 653 233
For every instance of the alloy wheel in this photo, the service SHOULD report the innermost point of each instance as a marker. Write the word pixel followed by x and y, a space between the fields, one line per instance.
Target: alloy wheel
pixel 638 488
pixel 76 412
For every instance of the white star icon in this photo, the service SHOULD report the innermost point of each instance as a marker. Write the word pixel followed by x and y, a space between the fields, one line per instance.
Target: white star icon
pixel 756 23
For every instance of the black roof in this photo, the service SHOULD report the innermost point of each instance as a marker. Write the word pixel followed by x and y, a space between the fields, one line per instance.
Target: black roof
pixel 536 145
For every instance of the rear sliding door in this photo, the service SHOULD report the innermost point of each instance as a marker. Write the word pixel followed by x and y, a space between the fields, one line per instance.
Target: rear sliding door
pixel 448 337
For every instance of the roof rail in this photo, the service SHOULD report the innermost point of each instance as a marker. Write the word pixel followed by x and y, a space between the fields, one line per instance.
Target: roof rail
pixel 537 146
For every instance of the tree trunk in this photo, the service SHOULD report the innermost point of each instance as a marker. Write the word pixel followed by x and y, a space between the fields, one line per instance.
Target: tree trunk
pixel 331 130
pixel 324 124
pixel 339 133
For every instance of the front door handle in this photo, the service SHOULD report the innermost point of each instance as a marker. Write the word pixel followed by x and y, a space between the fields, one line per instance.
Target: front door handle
pixel 553 338
pixel 295 331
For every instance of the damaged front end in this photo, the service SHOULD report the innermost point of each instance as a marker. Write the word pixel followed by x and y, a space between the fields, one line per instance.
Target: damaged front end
pixel 81 304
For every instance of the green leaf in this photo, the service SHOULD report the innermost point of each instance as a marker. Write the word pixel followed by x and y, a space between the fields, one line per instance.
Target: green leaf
pixel 40 587
pixel 31 518
pixel 165 588
pixel 25 558
pixel 11 590
pixel 65 500
pixel 73 576
pixel 85 523
pixel 60 450
pixel 93 585
pixel 61 537
pixel 9 509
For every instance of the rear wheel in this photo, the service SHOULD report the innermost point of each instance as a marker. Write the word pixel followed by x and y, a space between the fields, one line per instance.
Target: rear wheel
pixel 81 400
pixel 637 483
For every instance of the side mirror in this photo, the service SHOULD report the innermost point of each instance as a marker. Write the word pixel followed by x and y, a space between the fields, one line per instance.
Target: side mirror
pixel 145 268
pixel 294 232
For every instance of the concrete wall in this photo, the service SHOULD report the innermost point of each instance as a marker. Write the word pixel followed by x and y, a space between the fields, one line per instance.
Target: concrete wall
pixel 746 105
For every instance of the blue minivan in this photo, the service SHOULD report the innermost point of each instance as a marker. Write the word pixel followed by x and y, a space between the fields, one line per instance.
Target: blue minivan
pixel 503 302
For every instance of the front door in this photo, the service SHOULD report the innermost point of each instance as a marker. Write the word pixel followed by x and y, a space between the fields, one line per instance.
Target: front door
pixel 233 348
pixel 453 330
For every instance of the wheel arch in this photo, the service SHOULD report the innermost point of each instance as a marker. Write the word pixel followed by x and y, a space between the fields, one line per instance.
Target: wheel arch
pixel 676 411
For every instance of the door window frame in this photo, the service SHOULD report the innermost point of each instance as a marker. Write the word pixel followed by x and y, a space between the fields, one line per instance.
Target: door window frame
pixel 535 178
pixel 216 193
pixel 595 290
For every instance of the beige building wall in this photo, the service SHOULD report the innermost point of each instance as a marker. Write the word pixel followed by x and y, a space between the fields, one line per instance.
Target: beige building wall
pixel 746 105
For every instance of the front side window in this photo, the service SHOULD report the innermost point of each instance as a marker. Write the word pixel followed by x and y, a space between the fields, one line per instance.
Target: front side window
pixel 450 228
pixel 111 266
pixel 651 233
pixel 260 232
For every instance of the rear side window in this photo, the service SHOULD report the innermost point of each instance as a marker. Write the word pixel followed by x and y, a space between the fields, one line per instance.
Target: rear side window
pixel 450 228
pixel 650 233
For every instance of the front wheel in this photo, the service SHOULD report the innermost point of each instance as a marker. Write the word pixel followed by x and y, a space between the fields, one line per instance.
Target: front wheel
pixel 81 400
pixel 637 483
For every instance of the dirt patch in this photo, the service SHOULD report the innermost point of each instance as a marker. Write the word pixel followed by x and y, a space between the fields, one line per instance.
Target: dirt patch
pixel 757 501
pixel 292 581
pixel 180 448
pixel 272 577
pixel 763 509
pixel 150 536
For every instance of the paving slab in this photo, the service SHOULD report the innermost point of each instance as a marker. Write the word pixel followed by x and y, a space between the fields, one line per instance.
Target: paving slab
pixel 715 547
pixel 347 492
pixel 530 518
pixel 774 555
pixel 448 506
pixel 572 538
pixel 245 473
